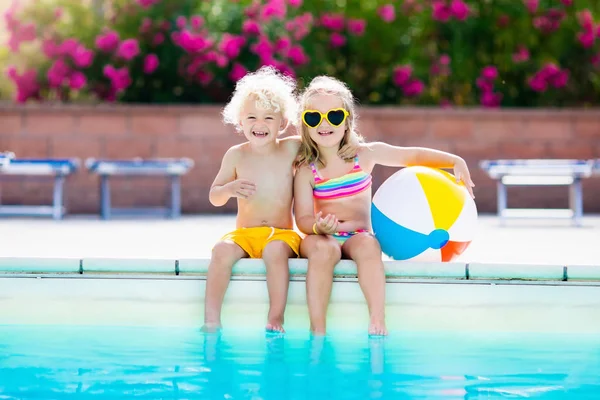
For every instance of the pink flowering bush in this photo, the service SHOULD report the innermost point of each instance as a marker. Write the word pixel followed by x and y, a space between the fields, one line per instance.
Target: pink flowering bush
pixel 509 53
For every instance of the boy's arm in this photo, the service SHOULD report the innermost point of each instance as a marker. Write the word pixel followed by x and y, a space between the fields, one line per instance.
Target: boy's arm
pixel 220 192
pixel 303 200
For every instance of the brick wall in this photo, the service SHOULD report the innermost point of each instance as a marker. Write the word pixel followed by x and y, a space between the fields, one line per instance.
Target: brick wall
pixel 197 132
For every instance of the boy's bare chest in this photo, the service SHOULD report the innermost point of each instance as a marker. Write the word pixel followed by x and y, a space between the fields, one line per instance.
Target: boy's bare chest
pixel 266 168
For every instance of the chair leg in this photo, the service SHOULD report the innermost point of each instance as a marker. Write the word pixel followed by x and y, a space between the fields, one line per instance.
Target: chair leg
pixel 501 200
pixel 576 201
pixel 175 196
pixel 57 197
pixel 104 197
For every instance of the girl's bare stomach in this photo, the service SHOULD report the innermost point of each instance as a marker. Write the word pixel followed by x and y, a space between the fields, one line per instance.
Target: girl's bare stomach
pixel 352 214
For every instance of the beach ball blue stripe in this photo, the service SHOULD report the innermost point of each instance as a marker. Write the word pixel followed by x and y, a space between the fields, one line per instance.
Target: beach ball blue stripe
pixel 401 243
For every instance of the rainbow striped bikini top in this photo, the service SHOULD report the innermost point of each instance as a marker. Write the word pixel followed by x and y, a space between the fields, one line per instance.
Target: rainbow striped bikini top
pixel 346 185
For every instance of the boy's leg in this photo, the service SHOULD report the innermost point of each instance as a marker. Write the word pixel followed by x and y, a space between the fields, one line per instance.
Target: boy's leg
pixel 276 255
pixel 224 255
pixel 323 253
pixel 365 250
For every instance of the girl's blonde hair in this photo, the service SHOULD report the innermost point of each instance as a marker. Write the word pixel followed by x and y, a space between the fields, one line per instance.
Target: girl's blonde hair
pixel 272 90
pixel 327 85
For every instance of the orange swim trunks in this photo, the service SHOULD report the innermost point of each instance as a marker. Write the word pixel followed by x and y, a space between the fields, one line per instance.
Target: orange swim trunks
pixel 253 240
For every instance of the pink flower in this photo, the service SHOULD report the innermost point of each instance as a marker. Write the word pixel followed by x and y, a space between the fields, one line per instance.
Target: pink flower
pixel 237 72
pixel 401 74
pixel 445 59
pixel 282 45
pixel 231 45
pixel 490 72
pixel 191 42
pixel 158 39
pixel 128 49
pixel 337 40
pixel 387 12
pixel 586 39
pixel 57 73
pixel 204 77
pixel 273 9
pixel 27 85
pixel 49 48
pixel 151 63
pixel 567 3
pixel 297 55
pixel 560 79
pixel 108 41
pixel 146 25
pixel 413 88
pixel 491 99
pixel 250 27
pixel 68 47
pixel 181 22
pixel 263 47
pixel 356 26
pixel 459 9
pixel 532 5
pixel 538 83
pixel 77 80
pixel 295 3
pixel 82 57
pixel 503 21
pixel 333 22
pixel 521 55
pixel 586 20
pixel 484 84
pixel 440 11
pixel 119 78
pixel 197 21
pixel 147 3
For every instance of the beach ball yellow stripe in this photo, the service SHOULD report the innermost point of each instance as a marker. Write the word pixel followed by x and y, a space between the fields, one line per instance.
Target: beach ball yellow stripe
pixel 446 201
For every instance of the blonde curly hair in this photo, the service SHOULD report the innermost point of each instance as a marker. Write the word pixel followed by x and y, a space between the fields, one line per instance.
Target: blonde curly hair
pixel 272 90
pixel 309 152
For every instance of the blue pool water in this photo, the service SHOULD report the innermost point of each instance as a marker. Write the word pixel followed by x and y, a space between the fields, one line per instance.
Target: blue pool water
pixel 41 362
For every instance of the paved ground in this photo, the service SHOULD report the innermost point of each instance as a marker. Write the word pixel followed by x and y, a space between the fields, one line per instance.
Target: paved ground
pixel 520 241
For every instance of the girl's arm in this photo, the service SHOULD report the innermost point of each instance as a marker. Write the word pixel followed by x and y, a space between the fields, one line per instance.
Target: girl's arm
pixel 396 156
pixel 303 201
pixel 304 207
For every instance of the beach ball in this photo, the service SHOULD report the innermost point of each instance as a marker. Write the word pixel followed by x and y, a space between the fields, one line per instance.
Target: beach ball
pixel 423 214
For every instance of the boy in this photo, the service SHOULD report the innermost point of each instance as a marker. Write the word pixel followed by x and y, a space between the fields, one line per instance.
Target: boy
pixel 259 173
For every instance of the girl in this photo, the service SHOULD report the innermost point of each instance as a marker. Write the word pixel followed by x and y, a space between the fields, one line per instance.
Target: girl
pixel 332 196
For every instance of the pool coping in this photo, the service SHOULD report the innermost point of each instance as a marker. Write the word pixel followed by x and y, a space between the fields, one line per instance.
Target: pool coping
pixel 255 269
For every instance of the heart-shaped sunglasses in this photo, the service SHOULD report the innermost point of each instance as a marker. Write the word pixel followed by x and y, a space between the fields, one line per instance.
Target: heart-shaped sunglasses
pixel 335 117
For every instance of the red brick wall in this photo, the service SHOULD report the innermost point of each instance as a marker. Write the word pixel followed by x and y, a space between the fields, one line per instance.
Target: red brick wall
pixel 197 132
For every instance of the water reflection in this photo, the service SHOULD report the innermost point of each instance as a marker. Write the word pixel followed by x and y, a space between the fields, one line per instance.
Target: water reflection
pixel 61 363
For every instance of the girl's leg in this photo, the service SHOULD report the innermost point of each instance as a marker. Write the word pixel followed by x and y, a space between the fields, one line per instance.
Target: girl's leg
pixel 276 255
pixel 323 253
pixel 224 256
pixel 365 250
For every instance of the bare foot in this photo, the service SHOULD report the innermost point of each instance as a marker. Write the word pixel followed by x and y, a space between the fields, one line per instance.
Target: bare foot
pixel 211 327
pixel 275 325
pixel 377 327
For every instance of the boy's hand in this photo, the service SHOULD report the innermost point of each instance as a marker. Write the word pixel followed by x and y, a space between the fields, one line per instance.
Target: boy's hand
pixel 241 188
pixel 327 225
pixel 461 172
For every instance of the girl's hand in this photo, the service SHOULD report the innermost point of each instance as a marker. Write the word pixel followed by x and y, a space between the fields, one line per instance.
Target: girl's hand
pixel 461 172
pixel 327 225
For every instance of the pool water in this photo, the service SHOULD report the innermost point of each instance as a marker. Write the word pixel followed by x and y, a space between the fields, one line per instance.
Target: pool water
pixel 68 362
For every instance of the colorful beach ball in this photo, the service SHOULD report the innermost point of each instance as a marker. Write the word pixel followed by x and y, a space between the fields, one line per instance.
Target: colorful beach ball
pixel 423 214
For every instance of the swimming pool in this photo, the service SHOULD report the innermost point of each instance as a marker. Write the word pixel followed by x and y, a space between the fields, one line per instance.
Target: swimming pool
pixel 110 329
